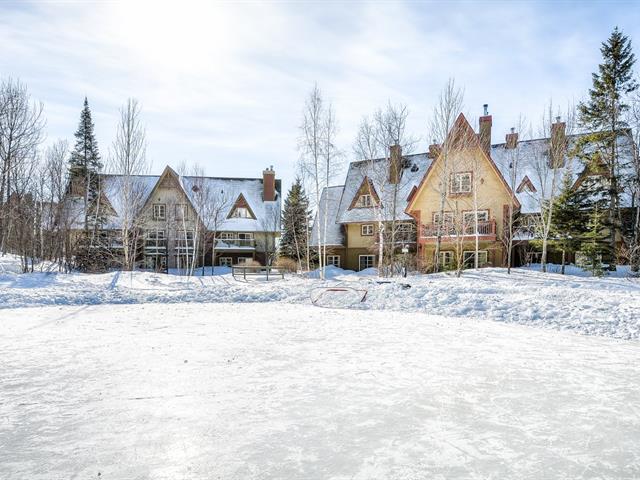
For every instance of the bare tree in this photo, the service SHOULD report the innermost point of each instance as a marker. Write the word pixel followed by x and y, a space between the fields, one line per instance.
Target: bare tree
pixel 546 163
pixel 319 156
pixel 128 159
pixel 21 133
pixel 382 141
pixel 449 106
pixel 514 169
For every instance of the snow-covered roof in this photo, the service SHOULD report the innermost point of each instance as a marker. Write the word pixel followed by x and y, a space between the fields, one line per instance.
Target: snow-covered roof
pixel 525 161
pixel 334 236
pixel 414 168
pixel 141 187
pixel 267 213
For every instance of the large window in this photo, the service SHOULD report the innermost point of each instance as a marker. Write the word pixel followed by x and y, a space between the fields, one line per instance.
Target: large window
pixel 447 218
pixel 446 258
pixel 365 201
pixel 227 235
pixel 225 261
pixel 468 258
pixel 469 218
pixel 241 212
pixel 159 211
pixel 182 211
pixel 366 261
pixel 461 182
pixel 366 230
pixel 333 260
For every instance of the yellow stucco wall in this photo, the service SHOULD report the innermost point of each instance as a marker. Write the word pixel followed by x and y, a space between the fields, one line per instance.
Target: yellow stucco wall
pixel 492 194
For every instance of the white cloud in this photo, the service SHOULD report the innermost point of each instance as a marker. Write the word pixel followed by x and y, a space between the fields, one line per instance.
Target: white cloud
pixel 223 84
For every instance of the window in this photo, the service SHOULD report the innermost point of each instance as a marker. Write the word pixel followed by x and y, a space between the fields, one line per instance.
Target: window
pixel 155 235
pixel 245 235
pixel 447 218
pixel 366 261
pixel 366 230
pixel 365 201
pixel 446 258
pixel 227 235
pixel 241 212
pixel 159 211
pixel 469 218
pixel 333 260
pixel 182 212
pixel 184 240
pixel 243 260
pixel 461 182
pixel 404 228
pixel 468 258
pixel 225 261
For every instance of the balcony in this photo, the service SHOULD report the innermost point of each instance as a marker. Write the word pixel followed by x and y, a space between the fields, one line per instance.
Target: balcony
pixel 155 247
pixel 486 230
pixel 235 244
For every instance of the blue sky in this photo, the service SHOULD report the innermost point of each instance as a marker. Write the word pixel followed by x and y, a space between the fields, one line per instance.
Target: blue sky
pixel 223 84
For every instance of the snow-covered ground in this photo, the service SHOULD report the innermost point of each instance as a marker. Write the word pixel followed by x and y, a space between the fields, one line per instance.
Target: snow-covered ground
pixel 608 306
pixel 266 391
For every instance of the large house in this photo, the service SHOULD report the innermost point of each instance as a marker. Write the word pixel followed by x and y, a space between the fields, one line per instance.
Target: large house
pixel 241 215
pixel 473 185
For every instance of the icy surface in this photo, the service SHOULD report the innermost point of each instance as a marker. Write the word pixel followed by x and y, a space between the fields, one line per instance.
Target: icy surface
pixel 264 391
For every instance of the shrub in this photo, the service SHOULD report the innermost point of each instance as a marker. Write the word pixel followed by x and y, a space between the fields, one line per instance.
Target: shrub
pixel 285 264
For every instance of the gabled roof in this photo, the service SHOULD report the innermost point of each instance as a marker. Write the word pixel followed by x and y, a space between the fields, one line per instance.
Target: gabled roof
pixel 531 152
pixel 463 131
pixel 414 168
pixel 267 214
pixel 366 188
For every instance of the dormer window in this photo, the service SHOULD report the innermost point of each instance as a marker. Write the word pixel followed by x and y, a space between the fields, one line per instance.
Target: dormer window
pixel 241 212
pixel 365 201
pixel 460 183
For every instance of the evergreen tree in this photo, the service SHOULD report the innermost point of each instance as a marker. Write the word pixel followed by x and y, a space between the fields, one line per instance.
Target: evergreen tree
pixel 92 253
pixel 594 245
pixel 570 216
pixel 295 223
pixel 602 114
pixel 85 164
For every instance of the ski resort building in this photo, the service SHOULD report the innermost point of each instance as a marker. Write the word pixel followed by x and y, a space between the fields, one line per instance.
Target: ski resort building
pixel 459 194
pixel 179 219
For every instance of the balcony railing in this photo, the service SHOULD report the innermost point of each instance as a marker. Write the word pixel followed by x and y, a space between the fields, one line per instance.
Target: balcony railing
pixel 155 246
pixel 485 229
pixel 235 243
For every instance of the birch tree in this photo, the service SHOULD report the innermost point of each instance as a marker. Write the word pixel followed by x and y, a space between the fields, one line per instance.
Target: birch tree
pixel 21 133
pixel 319 157
pixel 447 109
pixel 128 159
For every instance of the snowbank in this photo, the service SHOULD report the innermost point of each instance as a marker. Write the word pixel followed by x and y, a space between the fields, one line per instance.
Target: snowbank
pixel 596 306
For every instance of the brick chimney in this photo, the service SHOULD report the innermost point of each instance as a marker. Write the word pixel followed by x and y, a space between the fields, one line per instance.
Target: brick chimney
pixel 558 143
pixel 485 130
pixel 511 139
pixel 434 150
pixel 269 184
pixel 395 164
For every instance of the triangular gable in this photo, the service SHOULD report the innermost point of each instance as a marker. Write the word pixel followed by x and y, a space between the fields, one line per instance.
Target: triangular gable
pixel 462 131
pixel 366 188
pixel 241 202
pixel 169 179
pixel 526 184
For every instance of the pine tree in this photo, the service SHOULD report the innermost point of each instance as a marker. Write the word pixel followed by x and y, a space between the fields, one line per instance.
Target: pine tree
pixel 295 220
pixel 603 113
pixel 570 216
pixel 593 245
pixel 84 169
pixel 84 163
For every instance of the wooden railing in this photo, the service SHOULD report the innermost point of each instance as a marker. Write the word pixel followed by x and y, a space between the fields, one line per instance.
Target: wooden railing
pixel 255 271
pixel 487 228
